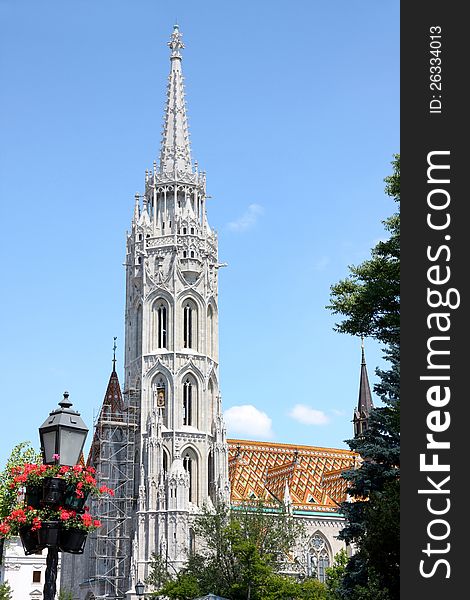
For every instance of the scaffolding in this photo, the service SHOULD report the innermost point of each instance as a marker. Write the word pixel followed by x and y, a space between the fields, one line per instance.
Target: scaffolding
pixel 113 455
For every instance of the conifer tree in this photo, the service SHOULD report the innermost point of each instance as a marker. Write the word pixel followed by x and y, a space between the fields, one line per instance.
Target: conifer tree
pixel 369 301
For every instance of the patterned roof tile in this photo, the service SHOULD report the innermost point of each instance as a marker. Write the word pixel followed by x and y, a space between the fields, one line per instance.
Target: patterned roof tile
pixel 313 474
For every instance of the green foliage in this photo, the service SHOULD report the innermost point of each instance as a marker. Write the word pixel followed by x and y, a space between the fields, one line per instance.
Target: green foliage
pixel 5 591
pixel 335 575
pixel 241 552
pixel 158 572
pixel 279 587
pixel 369 301
pixel 22 453
pixel 184 587
pixel 65 595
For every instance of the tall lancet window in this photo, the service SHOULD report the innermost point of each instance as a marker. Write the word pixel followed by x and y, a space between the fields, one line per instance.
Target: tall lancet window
pixel 190 464
pixel 189 324
pixel 161 325
pixel 138 332
pixel 210 325
pixel 319 557
pixel 210 475
pixel 192 541
pixel 165 462
pixel 188 401
pixel 211 398
pixel 159 397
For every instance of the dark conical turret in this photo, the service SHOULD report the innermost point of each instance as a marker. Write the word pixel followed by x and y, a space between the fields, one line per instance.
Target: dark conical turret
pixel 364 403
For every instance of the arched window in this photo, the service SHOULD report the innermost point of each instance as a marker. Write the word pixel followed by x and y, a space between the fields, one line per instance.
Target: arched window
pixel 162 324
pixel 210 388
pixel 159 388
pixel 211 331
pixel 189 401
pixel 192 541
pixel 210 475
pixel 190 464
pixel 165 462
pixel 138 332
pixel 189 324
pixel 319 557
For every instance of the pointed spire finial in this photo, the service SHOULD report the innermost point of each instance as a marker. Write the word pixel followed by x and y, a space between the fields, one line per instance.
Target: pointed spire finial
pixel 114 353
pixel 136 206
pixel 176 42
pixel 175 151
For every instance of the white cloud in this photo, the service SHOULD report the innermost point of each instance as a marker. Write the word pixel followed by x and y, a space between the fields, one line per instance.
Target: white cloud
pixel 248 420
pixel 248 219
pixel 338 413
pixel 308 415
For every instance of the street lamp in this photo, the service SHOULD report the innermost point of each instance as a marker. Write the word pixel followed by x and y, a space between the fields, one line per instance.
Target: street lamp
pixel 139 589
pixel 63 435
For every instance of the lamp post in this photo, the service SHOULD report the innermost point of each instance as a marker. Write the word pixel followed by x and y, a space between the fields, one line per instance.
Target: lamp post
pixel 62 437
pixel 139 589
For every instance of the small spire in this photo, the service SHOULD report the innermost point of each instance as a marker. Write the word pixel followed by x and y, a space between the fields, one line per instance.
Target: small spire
pixel 287 497
pixel 114 354
pixel 136 207
pixel 364 403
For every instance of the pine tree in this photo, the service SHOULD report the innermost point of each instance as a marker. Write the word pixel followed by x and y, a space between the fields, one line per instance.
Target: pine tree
pixel 369 301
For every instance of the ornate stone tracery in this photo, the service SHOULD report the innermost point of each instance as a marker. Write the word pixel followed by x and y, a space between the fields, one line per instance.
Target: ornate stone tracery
pixel 171 255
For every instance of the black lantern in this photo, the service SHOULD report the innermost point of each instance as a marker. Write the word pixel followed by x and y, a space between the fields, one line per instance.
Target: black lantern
pixel 139 589
pixel 63 435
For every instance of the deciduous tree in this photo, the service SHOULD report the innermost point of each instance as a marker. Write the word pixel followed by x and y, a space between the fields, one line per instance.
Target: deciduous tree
pixel 240 554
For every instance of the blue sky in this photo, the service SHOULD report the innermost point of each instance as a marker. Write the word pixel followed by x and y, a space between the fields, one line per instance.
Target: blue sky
pixel 294 114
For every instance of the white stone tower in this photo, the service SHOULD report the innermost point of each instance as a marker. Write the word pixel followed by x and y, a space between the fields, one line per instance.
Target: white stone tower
pixel 171 350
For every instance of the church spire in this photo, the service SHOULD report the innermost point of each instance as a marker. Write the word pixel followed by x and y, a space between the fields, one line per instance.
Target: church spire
pixel 364 403
pixel 114 354
pixel 175 152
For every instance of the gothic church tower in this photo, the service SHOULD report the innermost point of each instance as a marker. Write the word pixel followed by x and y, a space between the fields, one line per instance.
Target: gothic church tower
pixel 171 348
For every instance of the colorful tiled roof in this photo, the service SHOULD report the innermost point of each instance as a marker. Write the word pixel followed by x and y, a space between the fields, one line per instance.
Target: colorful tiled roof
pixel 260 470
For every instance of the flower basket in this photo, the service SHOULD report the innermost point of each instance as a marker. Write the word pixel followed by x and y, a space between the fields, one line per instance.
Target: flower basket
pixel 53 490
pixel 30 540
pixel 49 534
pixel 36 539
pixel 74 501
pixel 72 540
pixel 33 496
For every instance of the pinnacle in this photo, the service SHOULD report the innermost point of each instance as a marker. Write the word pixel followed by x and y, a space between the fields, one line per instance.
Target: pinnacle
pixel 175 152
